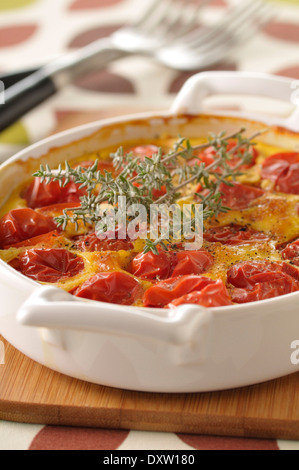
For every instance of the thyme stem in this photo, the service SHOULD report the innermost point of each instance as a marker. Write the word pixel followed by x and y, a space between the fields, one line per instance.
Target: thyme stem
pixel 138 179
pixel 213 165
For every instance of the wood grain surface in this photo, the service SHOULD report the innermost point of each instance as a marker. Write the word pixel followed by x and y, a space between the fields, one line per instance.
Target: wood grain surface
pixel 31 393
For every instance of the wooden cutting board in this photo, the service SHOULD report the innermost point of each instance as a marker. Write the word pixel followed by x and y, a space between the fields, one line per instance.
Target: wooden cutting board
pixel 32 393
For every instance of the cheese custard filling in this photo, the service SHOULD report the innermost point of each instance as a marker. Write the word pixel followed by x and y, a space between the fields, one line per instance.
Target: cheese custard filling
pixel 250 251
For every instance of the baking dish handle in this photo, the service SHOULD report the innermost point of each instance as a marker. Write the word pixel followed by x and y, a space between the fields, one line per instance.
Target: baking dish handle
pixel 200 86
pixel 55 309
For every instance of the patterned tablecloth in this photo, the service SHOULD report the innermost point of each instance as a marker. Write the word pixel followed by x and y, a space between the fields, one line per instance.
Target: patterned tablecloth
pixel 35 31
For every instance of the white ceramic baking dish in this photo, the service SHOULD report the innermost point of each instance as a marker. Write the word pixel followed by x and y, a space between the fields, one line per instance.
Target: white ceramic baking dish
pixel 189 349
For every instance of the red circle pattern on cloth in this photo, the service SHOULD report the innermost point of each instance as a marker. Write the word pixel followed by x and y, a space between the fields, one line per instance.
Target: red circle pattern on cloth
pixel 64 438
pixel 15 35
pixel 92 4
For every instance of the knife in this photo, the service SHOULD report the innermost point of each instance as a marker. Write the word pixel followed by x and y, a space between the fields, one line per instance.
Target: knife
pixel 22 91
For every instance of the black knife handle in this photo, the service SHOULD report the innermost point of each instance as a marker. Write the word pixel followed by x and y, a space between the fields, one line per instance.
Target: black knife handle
pixel 10 78
pixel 24 96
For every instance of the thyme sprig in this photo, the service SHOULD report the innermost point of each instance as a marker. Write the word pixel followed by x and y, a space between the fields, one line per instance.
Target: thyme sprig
pixel 137 179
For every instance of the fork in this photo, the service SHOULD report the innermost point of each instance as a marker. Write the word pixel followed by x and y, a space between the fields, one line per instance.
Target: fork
pixel 168 31
pixel 139 38
pixel 207 47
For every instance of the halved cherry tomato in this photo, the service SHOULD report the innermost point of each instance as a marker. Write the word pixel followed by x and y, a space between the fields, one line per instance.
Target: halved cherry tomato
pixel 143 151
pixel 234 235
pixel 40 194
pixel 174 264
pixel 21 224
pixel 248 273
pixel 278 163
pixel 50 265
pixel 275 286
pixel 46 238
pixel 92 243
pixel 291 252
pixel 260 280
pixel 114 287
pixel 151 266
pixel 213 295
pixel 208 156
pixel 57 209
pixel 166 291
pixel 156 193
pixel 146 151
pixel 283 170
pixel 15 263
pixel 192 262
pixel 237 196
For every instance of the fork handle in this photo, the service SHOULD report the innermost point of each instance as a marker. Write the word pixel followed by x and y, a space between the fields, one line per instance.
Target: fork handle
pixel 34 89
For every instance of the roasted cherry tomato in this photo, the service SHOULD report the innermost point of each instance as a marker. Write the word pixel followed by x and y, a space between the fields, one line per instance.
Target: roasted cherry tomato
pixel 237 196
pixel 57 209
pixel 50 265
pixel 147 151
pixel 248 273
pixel 47 238
pixel 21 224
pixel 143 151
pixel 174 264
pixel 213 295
pixel 114 287
pixel 92 243
pixel 40 194
pixel 234 235
pixel 259 280
pixel 166 291
pixel 157 193
pixel 151 266
pixel 192 262
pixel 283 170
pixel 275 286
pixel 291 252
pixel 208 156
